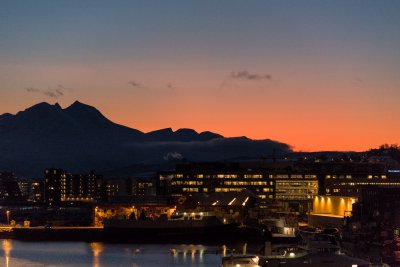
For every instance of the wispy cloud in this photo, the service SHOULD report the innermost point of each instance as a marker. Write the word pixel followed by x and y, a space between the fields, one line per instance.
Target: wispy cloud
pixel 170 87
pixel 136 84
pixel 246 75
pixel 52 92
pixel 32 90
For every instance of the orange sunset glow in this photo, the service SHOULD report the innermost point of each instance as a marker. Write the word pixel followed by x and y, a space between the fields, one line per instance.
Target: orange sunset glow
pixel 266 70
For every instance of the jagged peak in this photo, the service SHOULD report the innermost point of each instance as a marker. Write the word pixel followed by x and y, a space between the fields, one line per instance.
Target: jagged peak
pixel 78 104
pixel 44 106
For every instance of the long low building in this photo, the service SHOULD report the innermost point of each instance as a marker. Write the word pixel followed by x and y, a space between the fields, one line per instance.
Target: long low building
pixel 264 180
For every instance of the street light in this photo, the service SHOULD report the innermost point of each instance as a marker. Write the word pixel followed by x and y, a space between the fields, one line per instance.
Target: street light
pixel 8 217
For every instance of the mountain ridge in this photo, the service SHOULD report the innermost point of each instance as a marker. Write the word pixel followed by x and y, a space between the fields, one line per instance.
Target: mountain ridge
pixel 79 138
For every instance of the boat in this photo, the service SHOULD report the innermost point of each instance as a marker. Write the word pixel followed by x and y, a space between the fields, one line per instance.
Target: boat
pixel 316 250
pixel 282 226
pixel 243 261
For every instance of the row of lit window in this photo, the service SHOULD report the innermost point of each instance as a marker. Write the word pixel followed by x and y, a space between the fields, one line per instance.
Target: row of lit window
pixel 293 176
pixel 350 177
pixel 218 189
pixel 190 189
pixel 245 176
pixel 296 184
pixel 365 183
pixel 186 183
pixel 252 176
pixel 294 197
pixel 295 191
pixel 265 196
pixel 246 183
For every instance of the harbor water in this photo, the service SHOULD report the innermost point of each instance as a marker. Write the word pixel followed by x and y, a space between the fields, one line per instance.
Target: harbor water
pixel 15 253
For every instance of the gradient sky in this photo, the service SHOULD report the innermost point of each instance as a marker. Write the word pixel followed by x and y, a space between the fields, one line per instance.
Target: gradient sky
pixel 318 75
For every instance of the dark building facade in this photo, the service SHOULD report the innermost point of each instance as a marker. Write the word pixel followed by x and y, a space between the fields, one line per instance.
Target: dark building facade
pixel 61 186
pixel 282 181
pixel 349 179
pixel 32 190
pixel 79 187
pixel 9 188
pixel 36 193
pixel 269 181
pixel 53 189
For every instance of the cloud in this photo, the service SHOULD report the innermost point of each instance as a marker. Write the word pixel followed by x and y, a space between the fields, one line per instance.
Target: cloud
pixel 32 90
pixel 246 75
pixel 51 92
pixel 170 87
pixel 59 92
pixel 136 84
pixel 173 156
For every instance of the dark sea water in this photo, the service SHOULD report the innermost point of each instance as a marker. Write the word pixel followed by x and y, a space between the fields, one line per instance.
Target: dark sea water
pixel 27 254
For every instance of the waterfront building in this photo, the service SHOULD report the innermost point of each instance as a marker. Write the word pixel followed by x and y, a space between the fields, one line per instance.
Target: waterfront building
pixel 32 190
pixel 9 189
pixel 117 187
pixel 36 193
pixel 293 183
pixel 348 179
pixel 24 187
pixel 53 189
pixel 268 181
pixel 143 187
pixel 79 187
pixel 61 186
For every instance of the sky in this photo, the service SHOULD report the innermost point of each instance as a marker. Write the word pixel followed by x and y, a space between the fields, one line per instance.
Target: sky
pixel 317 75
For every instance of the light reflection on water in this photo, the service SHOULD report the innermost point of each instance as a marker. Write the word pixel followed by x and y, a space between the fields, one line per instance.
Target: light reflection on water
pixel 67 254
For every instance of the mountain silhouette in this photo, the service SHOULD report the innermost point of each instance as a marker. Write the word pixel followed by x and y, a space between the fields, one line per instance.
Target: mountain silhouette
pixel 80 138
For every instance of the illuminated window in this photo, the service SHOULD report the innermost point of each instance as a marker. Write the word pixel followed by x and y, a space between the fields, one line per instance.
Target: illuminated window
pixel 221 189
pixel 226 176
pixel 258 183
pixel 190 189
pixel 253 176
pixel 310 176
pixel 282 176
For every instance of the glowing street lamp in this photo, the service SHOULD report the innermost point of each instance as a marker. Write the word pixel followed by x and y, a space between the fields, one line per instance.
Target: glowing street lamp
pixel 8 217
